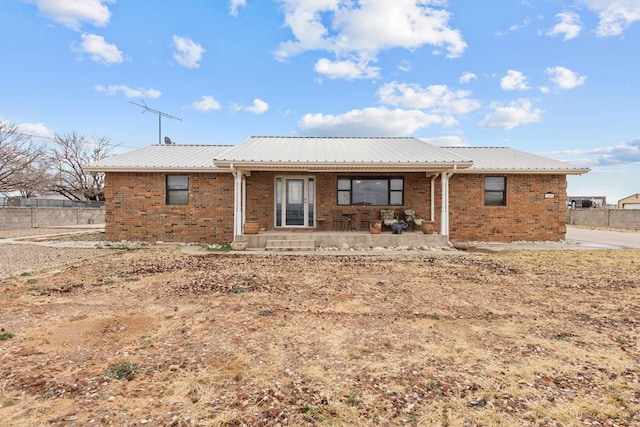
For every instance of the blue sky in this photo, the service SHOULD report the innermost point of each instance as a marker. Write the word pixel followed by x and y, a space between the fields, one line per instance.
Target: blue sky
pixel 554 77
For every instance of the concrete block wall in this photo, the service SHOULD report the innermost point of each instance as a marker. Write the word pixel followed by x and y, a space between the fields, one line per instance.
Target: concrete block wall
pixel 34 217
pixel 603 217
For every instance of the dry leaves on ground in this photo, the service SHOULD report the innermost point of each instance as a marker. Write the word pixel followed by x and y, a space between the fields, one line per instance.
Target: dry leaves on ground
pixel 157 337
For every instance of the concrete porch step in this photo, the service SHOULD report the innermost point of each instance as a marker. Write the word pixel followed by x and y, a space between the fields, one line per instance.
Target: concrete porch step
pixel 290 245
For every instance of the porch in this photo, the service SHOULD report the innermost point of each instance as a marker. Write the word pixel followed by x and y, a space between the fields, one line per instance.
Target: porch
pixel 281 240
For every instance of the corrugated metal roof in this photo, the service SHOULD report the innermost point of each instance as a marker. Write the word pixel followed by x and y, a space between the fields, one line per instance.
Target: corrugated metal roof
pixel 337 150
pixel 509 160
pixel 163 157
pixel 331 153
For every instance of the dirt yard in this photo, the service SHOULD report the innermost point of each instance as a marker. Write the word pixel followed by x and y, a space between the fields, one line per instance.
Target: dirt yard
pixel 156 337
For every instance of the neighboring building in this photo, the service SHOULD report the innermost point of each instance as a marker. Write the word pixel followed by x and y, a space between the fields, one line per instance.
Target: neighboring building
pixel 577 202
pixel 630 202
pixel 292 184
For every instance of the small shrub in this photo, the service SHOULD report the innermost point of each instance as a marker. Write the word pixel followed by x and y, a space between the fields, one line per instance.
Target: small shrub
pixel 32 281
pixel 123 371
pixel 6 336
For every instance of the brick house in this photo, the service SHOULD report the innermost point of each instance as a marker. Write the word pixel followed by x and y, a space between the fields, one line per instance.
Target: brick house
pixel 187 193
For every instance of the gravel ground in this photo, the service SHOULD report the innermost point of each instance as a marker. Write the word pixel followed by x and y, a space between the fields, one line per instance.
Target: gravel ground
pixel 18 257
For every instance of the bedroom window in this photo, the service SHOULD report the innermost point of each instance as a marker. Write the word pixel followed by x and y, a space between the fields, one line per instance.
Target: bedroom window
pixel 360 191
pixel 177 189
pixel 495 191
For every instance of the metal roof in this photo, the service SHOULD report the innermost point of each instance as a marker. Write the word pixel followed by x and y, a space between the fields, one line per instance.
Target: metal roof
pixel 509 160
pixel 332 154
pixel 317 153
pixel 176 158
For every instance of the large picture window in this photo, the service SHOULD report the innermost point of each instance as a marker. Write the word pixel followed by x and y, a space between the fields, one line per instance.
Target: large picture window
pixel 177 189
pixel 495 191
pixel 370 191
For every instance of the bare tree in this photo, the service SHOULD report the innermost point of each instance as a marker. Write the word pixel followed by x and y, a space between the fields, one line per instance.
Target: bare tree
pixel 35 179
pixel 69 155
pixel 17 154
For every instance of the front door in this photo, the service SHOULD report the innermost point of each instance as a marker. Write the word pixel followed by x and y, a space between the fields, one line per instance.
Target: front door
pixel 295 197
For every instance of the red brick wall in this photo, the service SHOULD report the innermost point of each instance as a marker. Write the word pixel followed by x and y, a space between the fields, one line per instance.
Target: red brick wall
pixel 136 209
pixel 260 196
pixel 528 215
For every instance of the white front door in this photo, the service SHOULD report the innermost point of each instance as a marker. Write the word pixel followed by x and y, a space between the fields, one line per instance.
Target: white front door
pixel 295 202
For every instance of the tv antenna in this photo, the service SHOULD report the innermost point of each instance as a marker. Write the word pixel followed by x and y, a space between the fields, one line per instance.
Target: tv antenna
pixel 160 116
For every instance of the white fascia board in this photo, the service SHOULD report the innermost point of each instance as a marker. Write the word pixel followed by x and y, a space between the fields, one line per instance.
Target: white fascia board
pixel 525 171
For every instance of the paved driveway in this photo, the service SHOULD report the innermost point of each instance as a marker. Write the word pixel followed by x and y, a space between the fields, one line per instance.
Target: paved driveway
pixel 603 238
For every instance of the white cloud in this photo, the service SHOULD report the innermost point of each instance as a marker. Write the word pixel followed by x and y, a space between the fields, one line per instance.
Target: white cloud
pixel 362 29
pixel 437 98
pixel 188 53
pixel 615 15
pixel 515 27
pixel 514 80
pixel 348 70
pixel 404 66
pixel 73 13
pixel 466 77
pixel 235 5
pixel 564 78
pixel 258 107
pixel 569 26
pixel 625 153
pixel 511 115
pixel 99 50
pixel 379 121
pixel 206 103
pixel 128 92
pixel 34 129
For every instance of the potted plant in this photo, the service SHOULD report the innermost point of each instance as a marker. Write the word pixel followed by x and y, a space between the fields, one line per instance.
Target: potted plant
pixel 251 227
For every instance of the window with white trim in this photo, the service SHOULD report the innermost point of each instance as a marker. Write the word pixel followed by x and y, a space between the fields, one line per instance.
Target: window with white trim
pixel 495 191
pixel 177 189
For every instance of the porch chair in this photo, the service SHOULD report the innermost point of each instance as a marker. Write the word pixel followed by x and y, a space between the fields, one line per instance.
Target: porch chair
pixel 338 221
pixel 411 219
pixel 365 220
pixel 388 217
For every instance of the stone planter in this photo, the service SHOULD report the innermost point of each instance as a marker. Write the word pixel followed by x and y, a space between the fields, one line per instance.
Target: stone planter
pixel 427 227
pixel 239 245
pixel 375 227
pixel 251 227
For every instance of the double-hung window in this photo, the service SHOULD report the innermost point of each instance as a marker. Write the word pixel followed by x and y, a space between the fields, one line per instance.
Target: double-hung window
pixel 495 191
pixel 366 191
pixel 177 189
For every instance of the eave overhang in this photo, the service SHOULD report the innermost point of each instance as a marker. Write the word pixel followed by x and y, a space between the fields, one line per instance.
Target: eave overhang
pixel 506 171
pixel 167 169
pixel 340 166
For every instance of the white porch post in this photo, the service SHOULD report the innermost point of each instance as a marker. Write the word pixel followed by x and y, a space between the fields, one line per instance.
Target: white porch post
pixel 237 202
pixel 433 198
pixel 444 220
pixel 444 214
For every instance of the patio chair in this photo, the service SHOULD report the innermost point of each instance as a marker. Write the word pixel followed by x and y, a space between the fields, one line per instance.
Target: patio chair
pixel 338 221
pixel 388 217
pixel 365 220
pixel 411 219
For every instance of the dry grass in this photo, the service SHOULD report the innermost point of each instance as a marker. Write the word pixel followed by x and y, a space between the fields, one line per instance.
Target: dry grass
pixel 533 338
